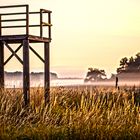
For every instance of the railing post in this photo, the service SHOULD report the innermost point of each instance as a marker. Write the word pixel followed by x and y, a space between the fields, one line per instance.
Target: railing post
pixel 49 27
pixel 0 26
pixel 27 19
pixel 41 26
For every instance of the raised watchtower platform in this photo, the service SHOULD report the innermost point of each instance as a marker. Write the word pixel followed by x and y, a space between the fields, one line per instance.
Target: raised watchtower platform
pixel 10 21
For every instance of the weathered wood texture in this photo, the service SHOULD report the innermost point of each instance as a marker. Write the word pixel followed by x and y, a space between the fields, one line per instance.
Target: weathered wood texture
pixel 49 21
pixel 0 26
pixel 13 54
pixel 47 73
pixel 26 72
pixel 27 20
pixel 26 13
pixel 41 25
pixel 1 65
pixel 24 40
pixel 12 39
pixel 1 60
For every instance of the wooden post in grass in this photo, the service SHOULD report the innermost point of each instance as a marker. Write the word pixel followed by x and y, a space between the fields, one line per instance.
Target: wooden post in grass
pixel 116 82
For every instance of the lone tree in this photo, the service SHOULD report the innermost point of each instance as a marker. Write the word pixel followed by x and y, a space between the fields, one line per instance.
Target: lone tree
pixel 94 75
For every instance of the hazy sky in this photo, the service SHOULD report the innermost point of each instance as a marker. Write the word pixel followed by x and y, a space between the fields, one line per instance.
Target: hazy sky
pixel 88 33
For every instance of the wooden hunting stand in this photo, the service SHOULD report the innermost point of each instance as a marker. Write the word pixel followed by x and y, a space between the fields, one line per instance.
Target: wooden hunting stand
pixel 24 40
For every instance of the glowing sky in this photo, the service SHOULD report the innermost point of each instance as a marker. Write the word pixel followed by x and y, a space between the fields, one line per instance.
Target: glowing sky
pixel 88 33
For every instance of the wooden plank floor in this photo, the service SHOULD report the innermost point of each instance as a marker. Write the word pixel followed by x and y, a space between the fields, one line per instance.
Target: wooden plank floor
pixel 18 38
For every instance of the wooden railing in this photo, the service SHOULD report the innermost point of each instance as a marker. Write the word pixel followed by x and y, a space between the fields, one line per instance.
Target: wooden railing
pixel 26 19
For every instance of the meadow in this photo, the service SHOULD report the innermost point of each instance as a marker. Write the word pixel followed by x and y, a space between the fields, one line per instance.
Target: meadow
pixel 77 113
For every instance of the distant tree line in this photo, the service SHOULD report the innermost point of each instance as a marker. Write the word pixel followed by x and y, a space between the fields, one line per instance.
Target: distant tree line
pixel 127 65
pixel 131 64
pixel 33 74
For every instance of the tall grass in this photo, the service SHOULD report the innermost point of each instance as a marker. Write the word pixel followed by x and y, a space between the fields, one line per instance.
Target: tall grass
pixel 73 113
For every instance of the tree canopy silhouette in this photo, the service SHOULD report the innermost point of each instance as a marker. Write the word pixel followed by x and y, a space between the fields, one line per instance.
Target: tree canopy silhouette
pixel 131 64
pixel 94 74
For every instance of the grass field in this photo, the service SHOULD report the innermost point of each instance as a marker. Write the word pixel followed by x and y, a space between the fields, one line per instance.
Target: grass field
pixel 73 113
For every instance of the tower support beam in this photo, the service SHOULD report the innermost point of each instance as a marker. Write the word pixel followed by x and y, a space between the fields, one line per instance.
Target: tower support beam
pixel 46 73
pixel 26 72
pixel 1 65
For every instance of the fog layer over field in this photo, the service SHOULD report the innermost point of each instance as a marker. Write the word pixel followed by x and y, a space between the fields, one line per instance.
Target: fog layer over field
pixel 69 82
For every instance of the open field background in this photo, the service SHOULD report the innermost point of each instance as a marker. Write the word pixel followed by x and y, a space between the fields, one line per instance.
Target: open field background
pixel 73 113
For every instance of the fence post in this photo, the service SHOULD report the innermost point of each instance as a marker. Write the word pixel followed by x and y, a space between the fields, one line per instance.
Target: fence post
pixel 116 84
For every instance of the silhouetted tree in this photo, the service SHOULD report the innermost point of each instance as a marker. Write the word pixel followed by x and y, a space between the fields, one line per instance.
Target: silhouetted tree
pixel 129 65
pixel 124 62
pixel 137 60
pixel 94 74
pixel 138 55
pixel 131 61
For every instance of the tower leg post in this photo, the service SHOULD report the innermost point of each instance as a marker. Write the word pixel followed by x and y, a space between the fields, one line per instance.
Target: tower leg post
pixel 1 65
pixel 46 73
pixel 26 73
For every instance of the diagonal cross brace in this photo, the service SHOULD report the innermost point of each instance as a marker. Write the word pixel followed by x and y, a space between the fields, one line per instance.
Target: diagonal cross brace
pixel 36 54
pixel 13 52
